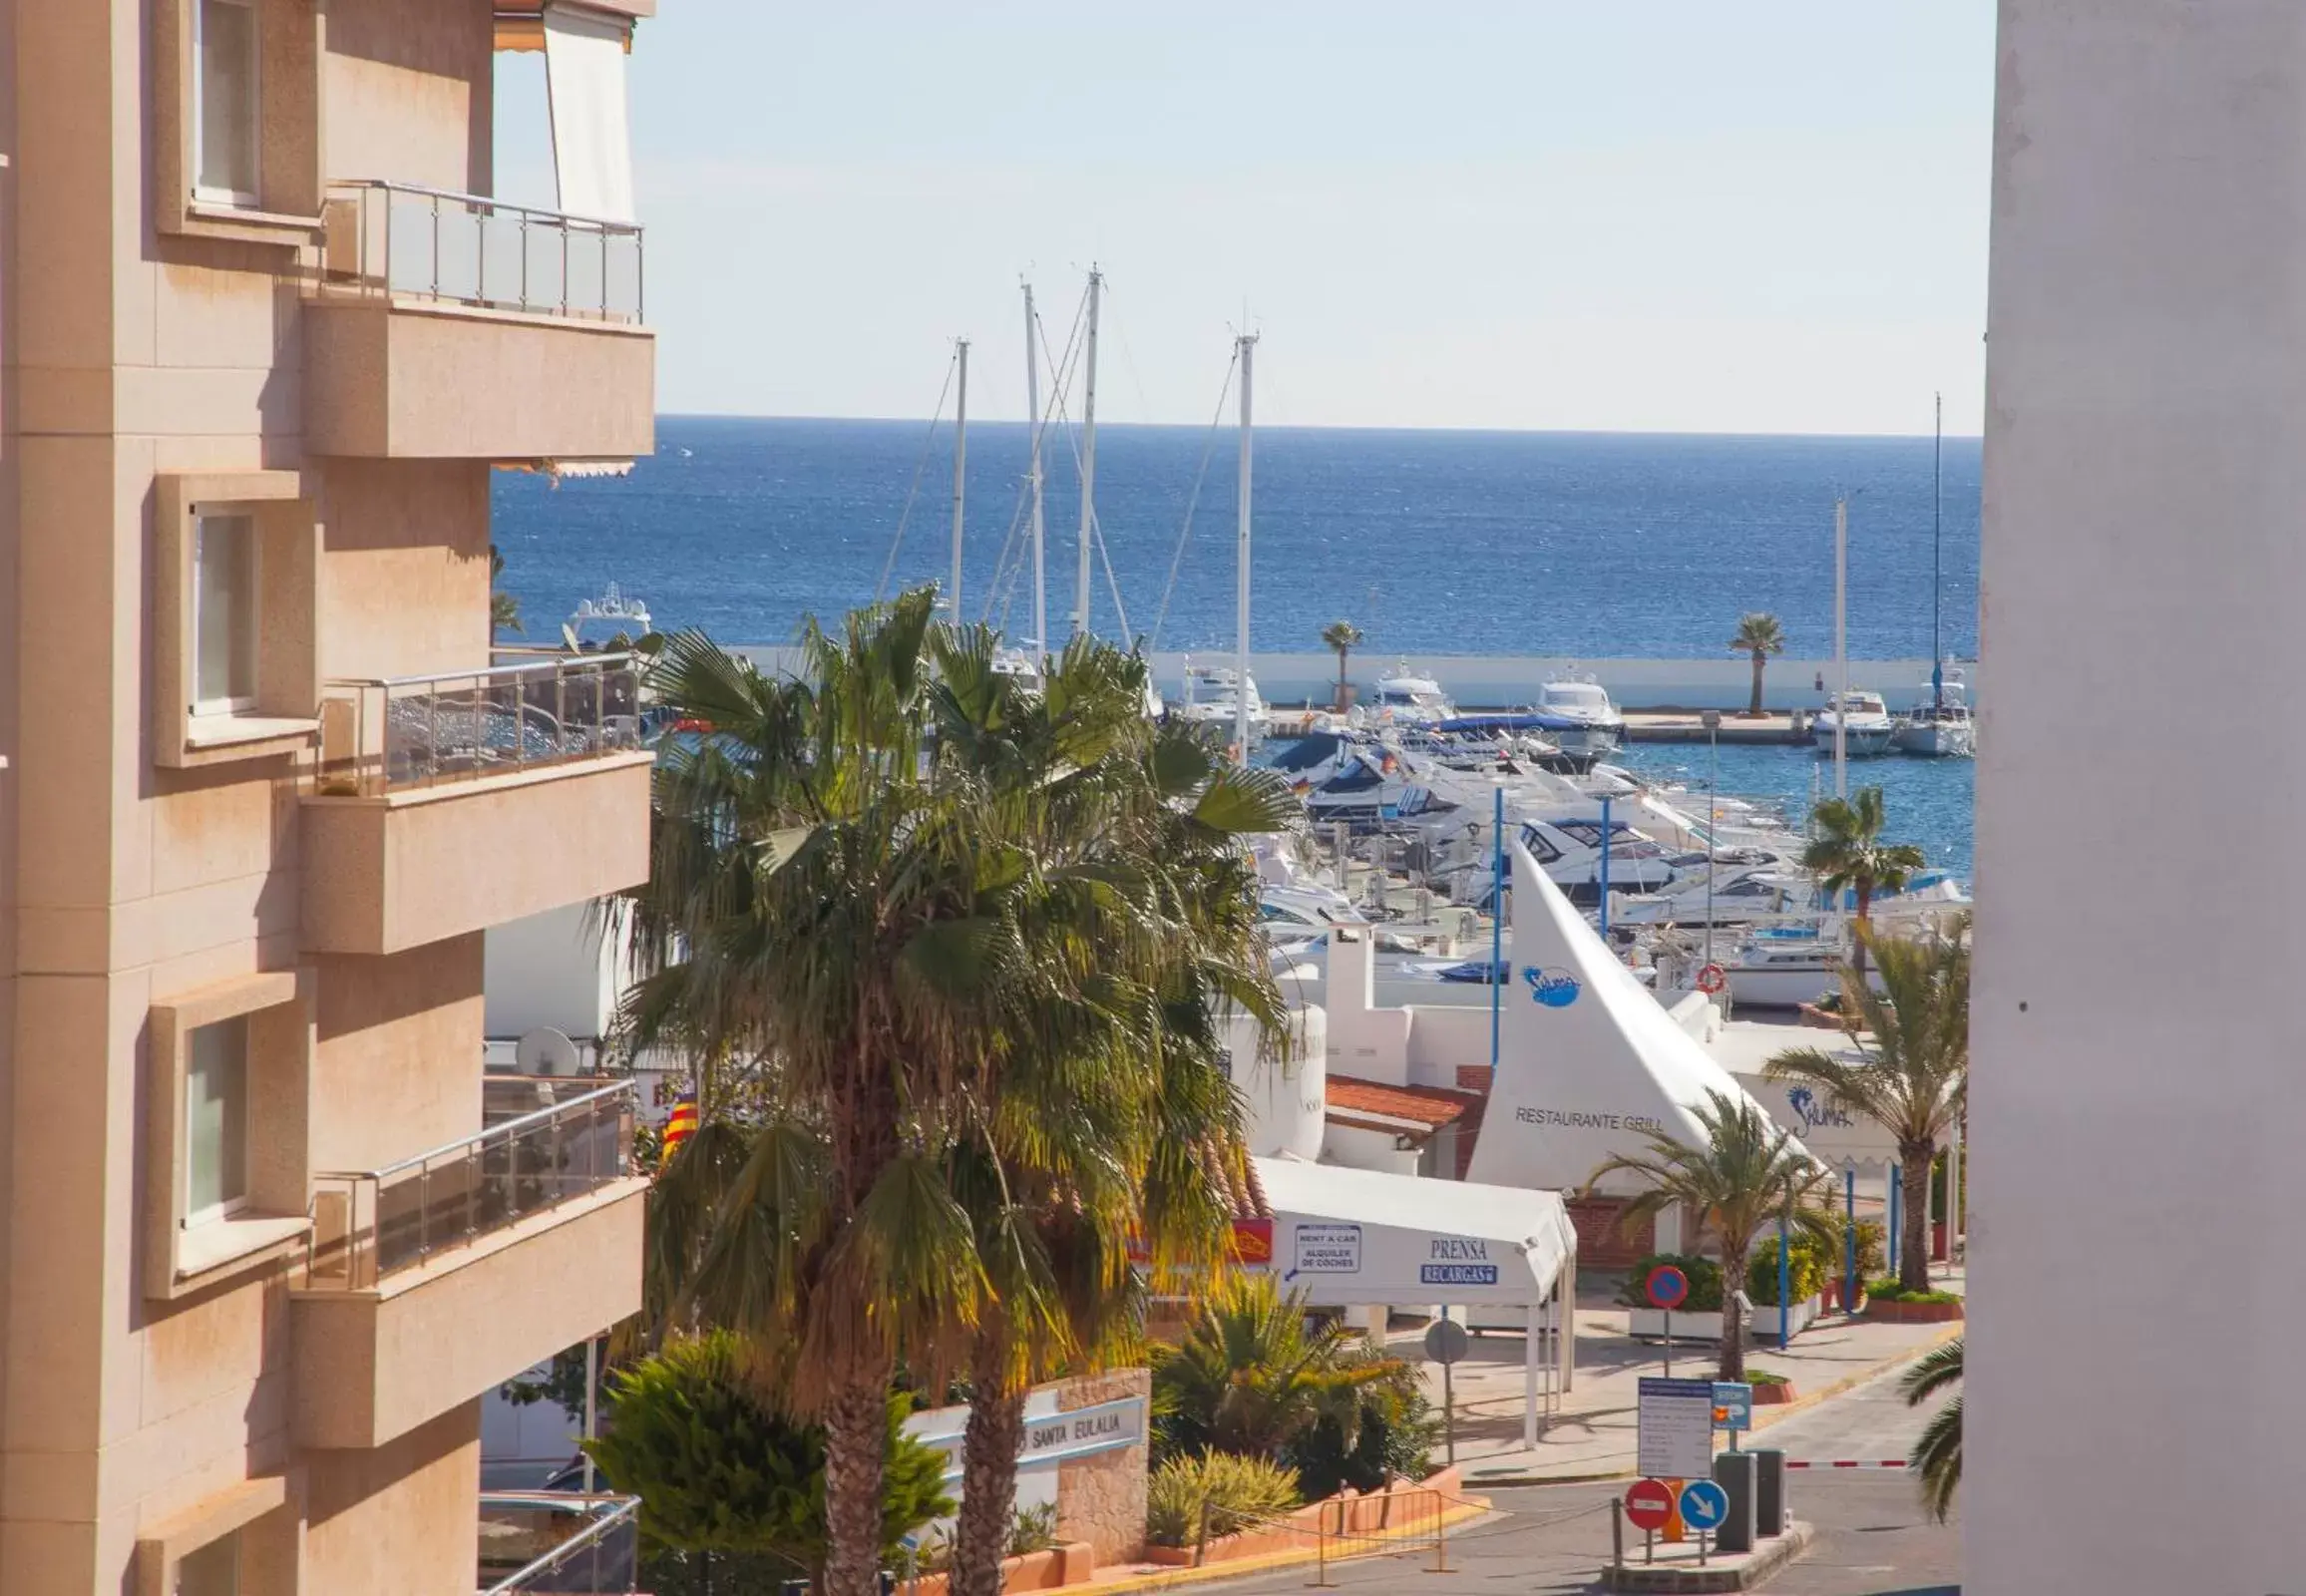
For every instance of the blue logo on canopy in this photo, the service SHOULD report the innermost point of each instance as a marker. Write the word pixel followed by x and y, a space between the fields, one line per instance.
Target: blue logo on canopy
pixel 1552 986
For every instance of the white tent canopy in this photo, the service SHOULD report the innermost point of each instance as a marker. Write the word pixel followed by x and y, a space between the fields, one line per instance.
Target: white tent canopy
pixel 1589 1065
pixel 1351 1238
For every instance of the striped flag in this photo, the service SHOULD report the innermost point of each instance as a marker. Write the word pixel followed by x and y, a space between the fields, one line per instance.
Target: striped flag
pixel 679 1125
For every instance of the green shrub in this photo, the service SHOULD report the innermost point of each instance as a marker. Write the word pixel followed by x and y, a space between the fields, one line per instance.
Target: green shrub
pixel 1887 1290
pixel 1704 1274
pixel 1806 1264
pixel 1255 1372
pixel 1873 1253
pixel 1766 1376
pixel 719 1471
pixel 1032 1529
pixel 1395 1431
pixel 1238 1491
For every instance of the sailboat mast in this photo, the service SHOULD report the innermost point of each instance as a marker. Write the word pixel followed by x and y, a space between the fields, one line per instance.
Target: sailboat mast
pixel 960 464
pixel 1247 345
pixel 1088 458
pixel 1033 471
pixel 1841 647
pixel 1937 553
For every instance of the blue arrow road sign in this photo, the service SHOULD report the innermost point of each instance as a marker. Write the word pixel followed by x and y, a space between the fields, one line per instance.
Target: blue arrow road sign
pixel 1703 1504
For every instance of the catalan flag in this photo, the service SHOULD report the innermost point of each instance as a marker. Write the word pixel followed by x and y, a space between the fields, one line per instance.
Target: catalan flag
pixel 679 1125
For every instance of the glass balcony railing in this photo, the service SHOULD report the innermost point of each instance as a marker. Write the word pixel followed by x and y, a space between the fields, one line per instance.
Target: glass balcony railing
pixel 385 734
pixel 550 1541
pixel 461 248
pixel 370 1224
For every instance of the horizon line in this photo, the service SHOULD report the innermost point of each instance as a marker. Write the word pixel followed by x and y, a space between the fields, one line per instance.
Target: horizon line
pixel 1299 426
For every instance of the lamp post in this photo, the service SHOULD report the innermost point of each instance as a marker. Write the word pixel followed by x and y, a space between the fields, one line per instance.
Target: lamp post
pixel 1712 721
pixel 1496 917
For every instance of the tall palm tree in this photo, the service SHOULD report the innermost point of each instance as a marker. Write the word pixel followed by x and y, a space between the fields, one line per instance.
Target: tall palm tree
pixel 1937 1456
pixel 1846 853
pixel 1342 638
pixel 1749 1175
pixel 1760 635
pixel 889 895
pixel 1911 1069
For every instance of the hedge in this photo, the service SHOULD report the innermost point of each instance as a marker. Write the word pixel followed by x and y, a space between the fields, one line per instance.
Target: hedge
pixel 1807 1264
pixel 1887 1290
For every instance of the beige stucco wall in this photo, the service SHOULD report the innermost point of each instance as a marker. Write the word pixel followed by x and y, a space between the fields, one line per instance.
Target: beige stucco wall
pixel 403 99
pixel 404 571
pixel 404 1517
pixel 393 1068
pixel 1101 1498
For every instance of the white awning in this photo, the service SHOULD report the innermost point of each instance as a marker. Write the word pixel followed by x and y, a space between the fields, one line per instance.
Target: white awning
pixel 592 129
pixel 1836 1138
pixel 1351 1238
pixel 1590 1065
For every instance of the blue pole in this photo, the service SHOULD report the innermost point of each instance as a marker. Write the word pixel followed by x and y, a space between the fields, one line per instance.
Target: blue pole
pixel 1496 921
pixel 1784 1283
pixel 1850 1241
pixel 1897 1190
pixel 1605 868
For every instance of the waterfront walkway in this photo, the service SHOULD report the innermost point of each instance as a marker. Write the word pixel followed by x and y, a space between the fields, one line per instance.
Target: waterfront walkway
pixel 1684 725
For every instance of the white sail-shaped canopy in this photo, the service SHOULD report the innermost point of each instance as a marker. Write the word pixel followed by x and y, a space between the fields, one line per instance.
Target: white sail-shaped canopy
pixel 1589 1065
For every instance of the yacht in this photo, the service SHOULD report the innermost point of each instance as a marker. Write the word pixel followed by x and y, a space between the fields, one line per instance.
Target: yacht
pixel 1940 725
pixel 1021 666
pixel 1577 714
pixel 1211 697
pixel 1865 721
pixel 1405 698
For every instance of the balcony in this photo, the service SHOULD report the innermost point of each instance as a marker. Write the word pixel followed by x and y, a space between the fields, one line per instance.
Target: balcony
pixel 432 1280
pixel 550 1541
pixel 448 803
pixel 449 326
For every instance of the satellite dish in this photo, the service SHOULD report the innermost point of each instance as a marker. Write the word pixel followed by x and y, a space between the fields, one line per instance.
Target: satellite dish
pixel 545 1051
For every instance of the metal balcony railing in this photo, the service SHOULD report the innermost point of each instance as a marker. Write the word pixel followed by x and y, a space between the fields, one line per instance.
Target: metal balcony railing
pixel 416 242
pixel 388 733
pixel 368 1225
pixel 554 1542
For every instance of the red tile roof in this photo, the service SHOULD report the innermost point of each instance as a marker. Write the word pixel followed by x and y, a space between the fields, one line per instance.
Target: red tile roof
pixel 1430 1106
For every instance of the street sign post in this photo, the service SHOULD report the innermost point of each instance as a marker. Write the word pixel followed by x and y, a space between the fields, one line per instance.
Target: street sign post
pixel 1674 1433
pixel 1732 1409
pixel 1666 1288
pixel 1704 1506
pixel 1649 1508
pixel 1445 1342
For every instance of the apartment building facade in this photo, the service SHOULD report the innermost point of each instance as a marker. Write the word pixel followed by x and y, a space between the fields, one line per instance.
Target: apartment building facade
pixel 267 1232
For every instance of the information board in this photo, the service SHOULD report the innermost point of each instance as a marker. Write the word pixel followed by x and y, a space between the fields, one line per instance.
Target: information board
pixel 1675 1438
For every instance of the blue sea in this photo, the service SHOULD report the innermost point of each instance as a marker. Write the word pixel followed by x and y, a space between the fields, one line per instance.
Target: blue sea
pixel 1578 544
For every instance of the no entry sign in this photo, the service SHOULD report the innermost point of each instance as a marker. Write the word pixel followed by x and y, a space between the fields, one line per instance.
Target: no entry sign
pixel 1649 1504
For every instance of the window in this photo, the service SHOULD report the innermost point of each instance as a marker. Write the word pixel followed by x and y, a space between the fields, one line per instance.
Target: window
pixel 212 1570
pixel 225 613
pixel 217 1121
pixel 225 104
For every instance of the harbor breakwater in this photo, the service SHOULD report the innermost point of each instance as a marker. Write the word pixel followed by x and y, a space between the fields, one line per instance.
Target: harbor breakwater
pixel 1504 681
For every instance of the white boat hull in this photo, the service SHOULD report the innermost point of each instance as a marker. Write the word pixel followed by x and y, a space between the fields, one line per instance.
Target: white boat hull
pixel 1938 739
pixel 1860 741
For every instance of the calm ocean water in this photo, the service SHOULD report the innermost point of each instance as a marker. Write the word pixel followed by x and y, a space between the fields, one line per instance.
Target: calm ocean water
pixel 1572 543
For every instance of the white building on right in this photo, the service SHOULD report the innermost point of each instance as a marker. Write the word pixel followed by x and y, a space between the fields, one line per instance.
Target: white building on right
pixel 2138 1103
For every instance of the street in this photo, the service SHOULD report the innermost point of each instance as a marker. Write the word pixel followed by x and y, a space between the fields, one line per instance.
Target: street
pixel 1551 1540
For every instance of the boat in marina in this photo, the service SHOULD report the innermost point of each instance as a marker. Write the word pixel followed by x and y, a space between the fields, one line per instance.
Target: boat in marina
pixel 1214 695
pixel 1861 719
pixel 1941 725
pixel 1406 699
pixel 1576 713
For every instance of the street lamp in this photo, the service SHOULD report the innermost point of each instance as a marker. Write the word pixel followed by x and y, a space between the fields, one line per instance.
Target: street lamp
pixel 1712 721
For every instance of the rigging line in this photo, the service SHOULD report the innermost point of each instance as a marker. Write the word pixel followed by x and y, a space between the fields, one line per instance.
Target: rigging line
pixel 882 586
pixel 1208 451
pixel 1003 568
pixel 1128 358
pixel 1113 582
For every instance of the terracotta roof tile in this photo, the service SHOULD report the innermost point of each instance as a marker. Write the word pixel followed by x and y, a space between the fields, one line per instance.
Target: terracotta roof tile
pixel 1432 1107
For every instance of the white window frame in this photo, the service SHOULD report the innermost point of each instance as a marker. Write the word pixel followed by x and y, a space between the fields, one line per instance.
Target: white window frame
pixel 253 199
pixel 237 1201
pixel 233 703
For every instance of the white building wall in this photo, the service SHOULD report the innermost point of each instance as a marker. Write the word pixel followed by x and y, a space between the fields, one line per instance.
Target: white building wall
pixel 1284 1101
pixel 2137 1103
pixel 555 969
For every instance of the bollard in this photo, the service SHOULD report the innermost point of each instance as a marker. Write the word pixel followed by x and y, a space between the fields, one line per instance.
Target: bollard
pixel 1733 1473
pixel 1618 1534
pixel 1769 1490
pixel 1440 1534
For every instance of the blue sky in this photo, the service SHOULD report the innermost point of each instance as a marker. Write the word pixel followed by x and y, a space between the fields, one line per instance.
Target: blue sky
pixel 1672 214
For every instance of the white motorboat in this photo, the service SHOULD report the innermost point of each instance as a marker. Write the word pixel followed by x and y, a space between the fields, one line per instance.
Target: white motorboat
pixel 1576 713
pixel 1940 725
pixel 1212 694
pixel 1406 699
pixel 1864 722
pixel 1021 666
pixel 1747 885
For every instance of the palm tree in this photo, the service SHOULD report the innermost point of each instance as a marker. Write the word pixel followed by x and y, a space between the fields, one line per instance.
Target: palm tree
pixel 1846 853
pixel 1911 1071
pixel 1760 635
pixel 1937 1455
pixel 1342 638
pixel 503 608
pixel 1250 1377
pixel 885 896
pixel 1746 1176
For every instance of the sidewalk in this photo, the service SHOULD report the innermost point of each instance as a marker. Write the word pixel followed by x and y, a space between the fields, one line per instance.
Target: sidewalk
pixel 1591 1432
